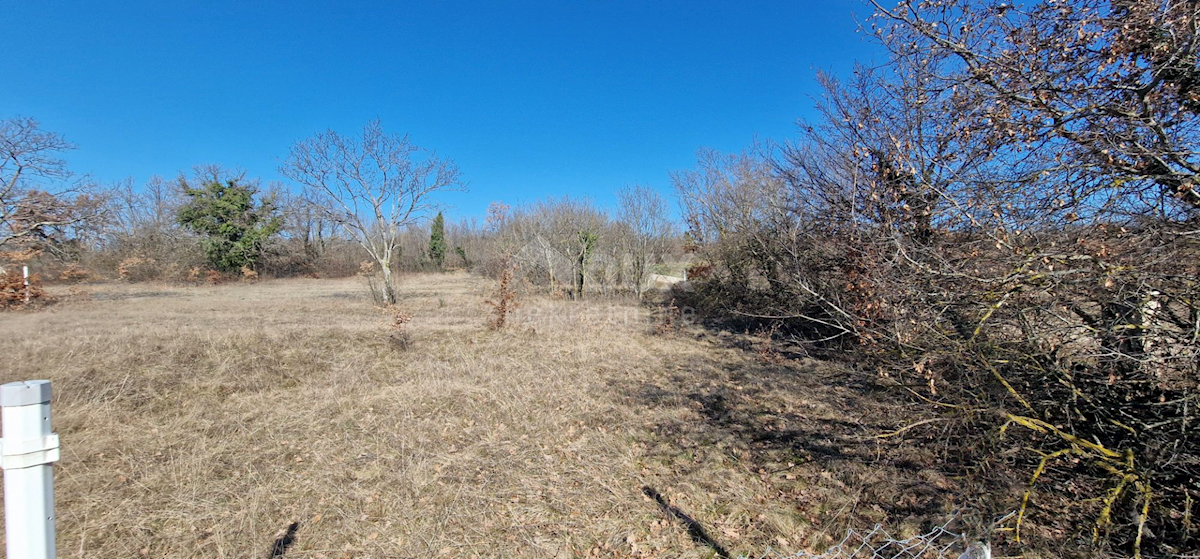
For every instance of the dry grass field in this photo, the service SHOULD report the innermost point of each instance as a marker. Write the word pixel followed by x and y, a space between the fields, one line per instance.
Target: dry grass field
pixel 203 421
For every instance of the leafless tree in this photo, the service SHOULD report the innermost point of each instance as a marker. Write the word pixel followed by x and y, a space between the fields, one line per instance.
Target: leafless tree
pixel 554 242
pixel 1114 83
pixel 144 224
pixel 305 223
pixel 1002 214
pixel 732 203
pixel 571 229
pixel 373 185
pixel 39 208
pixel 643 212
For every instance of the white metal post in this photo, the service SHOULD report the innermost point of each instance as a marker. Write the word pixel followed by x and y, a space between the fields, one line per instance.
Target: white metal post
pixel 25 271
pixel 27 452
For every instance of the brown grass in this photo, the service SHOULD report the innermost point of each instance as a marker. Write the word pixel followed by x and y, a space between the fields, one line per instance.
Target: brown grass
pixel 202 421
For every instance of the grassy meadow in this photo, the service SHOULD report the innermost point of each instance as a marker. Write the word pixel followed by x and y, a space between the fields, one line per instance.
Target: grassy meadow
pixel 202 421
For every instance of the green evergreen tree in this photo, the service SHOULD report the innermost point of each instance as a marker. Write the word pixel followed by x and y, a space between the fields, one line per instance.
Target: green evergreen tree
pixel 234 226
pixel 437 241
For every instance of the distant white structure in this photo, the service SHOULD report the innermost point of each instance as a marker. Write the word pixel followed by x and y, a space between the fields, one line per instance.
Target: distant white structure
pixel 663 283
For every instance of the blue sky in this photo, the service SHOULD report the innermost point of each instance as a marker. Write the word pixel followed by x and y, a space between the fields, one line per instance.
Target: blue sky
pixel 531 99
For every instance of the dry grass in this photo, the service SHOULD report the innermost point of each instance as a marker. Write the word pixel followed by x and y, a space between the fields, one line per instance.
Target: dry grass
pixel 202 421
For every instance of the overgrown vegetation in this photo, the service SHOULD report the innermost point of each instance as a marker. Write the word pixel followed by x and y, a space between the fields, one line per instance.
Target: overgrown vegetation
pixel 43 208
pixel 1002 223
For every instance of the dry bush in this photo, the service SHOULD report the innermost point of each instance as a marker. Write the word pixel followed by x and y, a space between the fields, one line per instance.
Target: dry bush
pixel 21 256
pixel 1065 359
pixel 136 268
pixel 398 327
pixel 1011 240
pixel 1055 335
pixel 505 300
pixel 74 273
pixel 248 274
pixel 764 345
pixel 14 293
pixel 670 320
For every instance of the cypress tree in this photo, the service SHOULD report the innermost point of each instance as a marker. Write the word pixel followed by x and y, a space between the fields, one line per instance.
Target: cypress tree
pixel 437 241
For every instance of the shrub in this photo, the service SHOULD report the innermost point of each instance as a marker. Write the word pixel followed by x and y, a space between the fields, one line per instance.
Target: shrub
pixel 505 301
pixel 136 268
pixel 74 273
pixel 14 293
pixel 398 327
pixel 670 320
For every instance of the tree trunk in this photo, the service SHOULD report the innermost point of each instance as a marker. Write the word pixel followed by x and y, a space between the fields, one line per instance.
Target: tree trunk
pixel 387 289
pixel 580 270
pixel 549 266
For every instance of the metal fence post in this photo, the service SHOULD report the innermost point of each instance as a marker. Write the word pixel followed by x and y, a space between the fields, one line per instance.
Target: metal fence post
pixel 27 452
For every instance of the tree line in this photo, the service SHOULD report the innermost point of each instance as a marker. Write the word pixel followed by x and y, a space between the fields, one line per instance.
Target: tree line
pixel 361 204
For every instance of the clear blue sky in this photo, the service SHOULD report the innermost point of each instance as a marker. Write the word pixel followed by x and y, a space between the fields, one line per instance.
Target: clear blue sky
pixel 531 99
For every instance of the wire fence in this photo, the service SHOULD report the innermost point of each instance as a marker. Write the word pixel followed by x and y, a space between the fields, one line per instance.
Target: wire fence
pixel 938 543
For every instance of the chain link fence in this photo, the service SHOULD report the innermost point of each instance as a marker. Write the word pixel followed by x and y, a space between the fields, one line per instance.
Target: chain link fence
pixel 938 543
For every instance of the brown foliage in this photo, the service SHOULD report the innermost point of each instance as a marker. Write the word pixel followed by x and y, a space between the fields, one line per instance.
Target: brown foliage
pixel 505 301
pixel 699 270
pixel 20 256
pixel 136 268
pixel 74 273
pixel 1112 86
pixel 14 293
pixel 670 320
pixel 398 324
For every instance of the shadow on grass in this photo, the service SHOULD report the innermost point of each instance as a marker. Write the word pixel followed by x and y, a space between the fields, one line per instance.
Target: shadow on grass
pixel 285 542
pixel 807 427
pixel 694 528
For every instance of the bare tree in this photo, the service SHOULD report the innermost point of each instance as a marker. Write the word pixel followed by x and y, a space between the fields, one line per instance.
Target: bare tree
pixel 1004 215
pixel 643 212
pixel 304 223
pixel 732 204
pixel 144 222
pixel 39 210
pixel 373 186
pixel 1115 83
pixel 571 228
